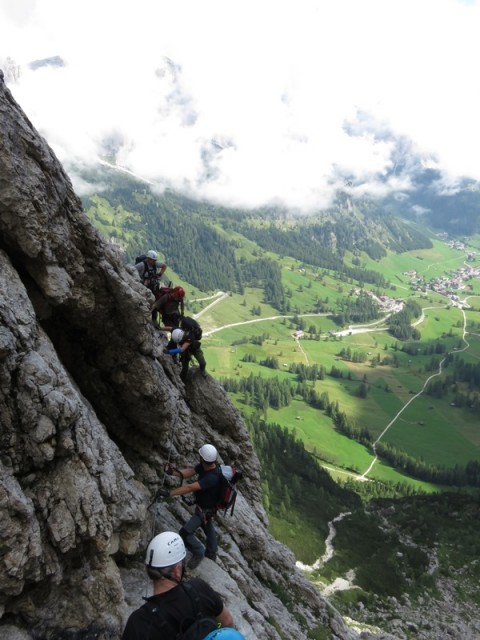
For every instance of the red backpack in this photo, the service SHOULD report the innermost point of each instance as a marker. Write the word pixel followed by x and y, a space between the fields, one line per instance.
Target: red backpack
pixel 229 476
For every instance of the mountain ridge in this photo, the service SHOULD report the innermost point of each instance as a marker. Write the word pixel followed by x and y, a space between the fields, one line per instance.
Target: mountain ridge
pixel 190 232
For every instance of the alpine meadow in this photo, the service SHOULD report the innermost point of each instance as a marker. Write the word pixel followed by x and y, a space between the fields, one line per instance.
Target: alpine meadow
pixel 350 343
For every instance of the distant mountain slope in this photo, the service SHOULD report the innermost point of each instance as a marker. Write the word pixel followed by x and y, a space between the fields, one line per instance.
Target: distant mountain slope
pixel 419 189
pixel 451 208
pixel 194 236
pixel 138 221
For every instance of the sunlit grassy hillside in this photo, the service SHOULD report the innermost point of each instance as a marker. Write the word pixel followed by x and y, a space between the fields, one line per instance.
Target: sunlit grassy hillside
pixel 431 429
pixel 376 381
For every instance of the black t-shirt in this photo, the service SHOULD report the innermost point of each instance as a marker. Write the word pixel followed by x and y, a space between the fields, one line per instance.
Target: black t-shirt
pixel 193 343
pixel 178 608
pixel 209 481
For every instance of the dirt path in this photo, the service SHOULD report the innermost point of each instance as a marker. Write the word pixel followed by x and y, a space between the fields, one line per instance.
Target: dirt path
pixel 301 349
pixel 350 474
pixel 220 295
pixel 239 324
pixel 351 330
pixel 422 390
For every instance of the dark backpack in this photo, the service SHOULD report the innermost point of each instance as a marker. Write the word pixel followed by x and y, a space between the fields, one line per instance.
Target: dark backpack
pixel 199 628
pixel 229 476
pixel 191 326
pixel 141 258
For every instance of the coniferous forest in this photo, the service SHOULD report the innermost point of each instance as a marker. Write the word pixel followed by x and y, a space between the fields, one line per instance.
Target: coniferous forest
pixel 192 238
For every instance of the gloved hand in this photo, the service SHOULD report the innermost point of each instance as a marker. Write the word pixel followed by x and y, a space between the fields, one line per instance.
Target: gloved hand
pixel 172 352
pixel 163 493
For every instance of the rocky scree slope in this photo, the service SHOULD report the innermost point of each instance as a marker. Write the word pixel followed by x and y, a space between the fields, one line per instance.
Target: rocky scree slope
pixel 91 407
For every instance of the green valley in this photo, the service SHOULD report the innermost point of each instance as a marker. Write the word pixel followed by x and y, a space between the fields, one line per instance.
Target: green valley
pixel 280 316
pixel 354 358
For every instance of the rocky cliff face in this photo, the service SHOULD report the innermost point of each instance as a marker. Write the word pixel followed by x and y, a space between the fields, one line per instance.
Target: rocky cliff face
pixel 91 408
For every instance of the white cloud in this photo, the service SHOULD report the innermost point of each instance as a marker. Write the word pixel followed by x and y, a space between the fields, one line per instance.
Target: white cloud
pixel 253 102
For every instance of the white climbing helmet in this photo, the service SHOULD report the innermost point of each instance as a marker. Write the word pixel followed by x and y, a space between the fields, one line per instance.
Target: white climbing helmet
pixel 208 453
pixel 152 254
pixel 165 550
pixel 177 335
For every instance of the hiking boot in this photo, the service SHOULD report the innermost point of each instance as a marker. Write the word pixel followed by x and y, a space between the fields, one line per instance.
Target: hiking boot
pixel 194 562
pixel 211 555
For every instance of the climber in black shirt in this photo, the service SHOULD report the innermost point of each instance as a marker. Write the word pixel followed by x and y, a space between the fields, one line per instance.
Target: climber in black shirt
pixel 174 607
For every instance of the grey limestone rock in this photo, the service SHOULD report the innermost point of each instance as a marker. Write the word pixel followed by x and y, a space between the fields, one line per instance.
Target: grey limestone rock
pixel 91 408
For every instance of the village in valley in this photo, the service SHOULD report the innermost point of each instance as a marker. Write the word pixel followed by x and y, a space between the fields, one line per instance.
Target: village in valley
pixel 450 285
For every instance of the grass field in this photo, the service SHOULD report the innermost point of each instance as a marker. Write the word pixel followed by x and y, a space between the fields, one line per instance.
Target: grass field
pixel 431 430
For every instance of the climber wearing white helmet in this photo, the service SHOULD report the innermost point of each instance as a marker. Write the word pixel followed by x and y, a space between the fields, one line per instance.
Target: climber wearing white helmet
pixel 206 489
pixel 175 605
pixel 150 268
pixel 186 341
pixel 150 271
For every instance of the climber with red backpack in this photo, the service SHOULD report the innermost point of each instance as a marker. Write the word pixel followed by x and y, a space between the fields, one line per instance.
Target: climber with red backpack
pixel 210 492
pixel 170 304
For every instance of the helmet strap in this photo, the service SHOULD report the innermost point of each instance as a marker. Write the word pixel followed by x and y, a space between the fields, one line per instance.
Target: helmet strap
pixel 151 558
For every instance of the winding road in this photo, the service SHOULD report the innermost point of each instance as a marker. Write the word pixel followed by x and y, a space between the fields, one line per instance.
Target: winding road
pixel 352 329
pixel 254 320
pixel 348 581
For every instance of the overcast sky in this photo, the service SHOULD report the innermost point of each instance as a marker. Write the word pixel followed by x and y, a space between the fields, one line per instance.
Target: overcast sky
pixel 254 102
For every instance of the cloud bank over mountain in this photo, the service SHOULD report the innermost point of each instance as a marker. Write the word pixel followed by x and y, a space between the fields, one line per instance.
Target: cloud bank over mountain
pixel 251 103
